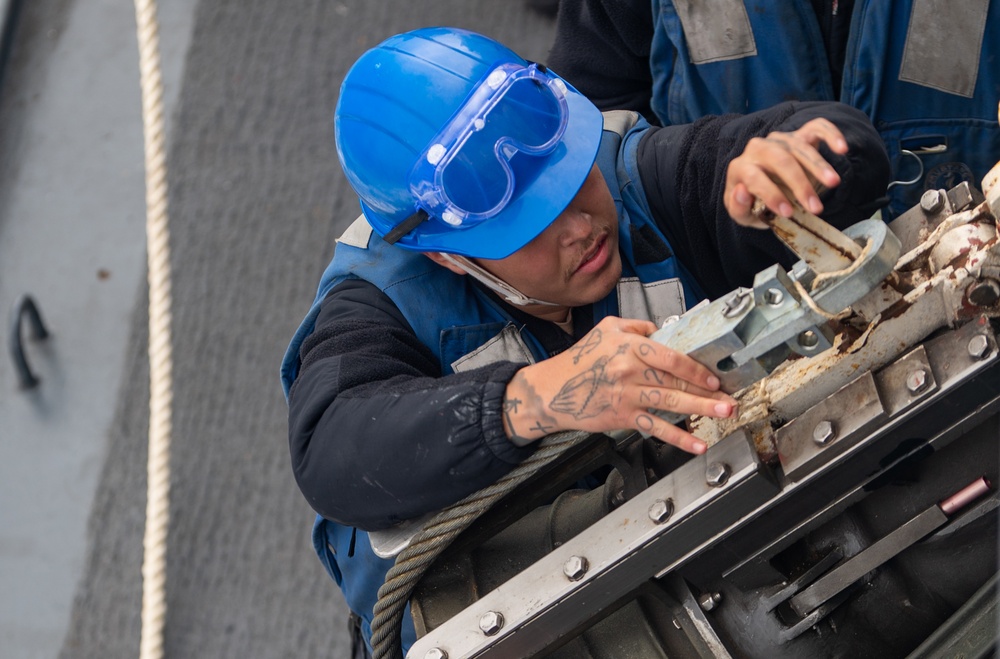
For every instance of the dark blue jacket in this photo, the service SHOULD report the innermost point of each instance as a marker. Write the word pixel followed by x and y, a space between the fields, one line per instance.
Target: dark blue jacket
pixel 928 79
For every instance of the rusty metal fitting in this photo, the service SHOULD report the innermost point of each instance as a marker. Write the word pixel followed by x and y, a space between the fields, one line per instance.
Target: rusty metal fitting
pixel 984 293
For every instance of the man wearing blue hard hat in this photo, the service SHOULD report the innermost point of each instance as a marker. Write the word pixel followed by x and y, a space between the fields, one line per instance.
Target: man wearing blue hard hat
pixel 515 251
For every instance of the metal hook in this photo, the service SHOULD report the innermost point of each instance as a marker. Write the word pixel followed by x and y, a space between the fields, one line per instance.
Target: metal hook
pixel 914 180
pixel 25 307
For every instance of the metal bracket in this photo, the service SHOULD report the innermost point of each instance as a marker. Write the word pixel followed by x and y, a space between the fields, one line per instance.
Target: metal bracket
pixel 742 337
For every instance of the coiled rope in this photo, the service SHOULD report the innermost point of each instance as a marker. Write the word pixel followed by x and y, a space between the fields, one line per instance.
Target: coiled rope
pixel 154 562
pixel 414 561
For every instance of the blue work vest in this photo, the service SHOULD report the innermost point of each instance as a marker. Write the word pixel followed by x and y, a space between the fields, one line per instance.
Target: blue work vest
pixel 926 73
pixel 466 328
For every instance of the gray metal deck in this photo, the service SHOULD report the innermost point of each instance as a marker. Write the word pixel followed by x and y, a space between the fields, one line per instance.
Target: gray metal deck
pixel 256 200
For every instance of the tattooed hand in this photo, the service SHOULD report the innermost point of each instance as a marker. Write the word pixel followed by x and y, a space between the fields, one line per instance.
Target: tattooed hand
pixel 793 160
pixel 609 381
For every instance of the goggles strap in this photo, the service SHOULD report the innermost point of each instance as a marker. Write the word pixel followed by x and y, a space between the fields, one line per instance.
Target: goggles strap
pixel 494 283
pixel 406 226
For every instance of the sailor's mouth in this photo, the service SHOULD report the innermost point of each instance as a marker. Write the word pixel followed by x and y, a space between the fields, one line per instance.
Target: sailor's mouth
pixel 595 258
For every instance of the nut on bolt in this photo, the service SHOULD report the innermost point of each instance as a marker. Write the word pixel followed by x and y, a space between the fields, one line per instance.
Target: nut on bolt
pixel 717 474
pixel 435 653
pixel 575 567
pixel 491 623
pixel 737 303
pixel 709 601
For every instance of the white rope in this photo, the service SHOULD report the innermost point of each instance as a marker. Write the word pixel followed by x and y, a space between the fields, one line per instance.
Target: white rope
pixel 154 543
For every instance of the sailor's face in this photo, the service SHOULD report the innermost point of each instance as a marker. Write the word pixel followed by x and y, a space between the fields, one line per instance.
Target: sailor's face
pixel 575 261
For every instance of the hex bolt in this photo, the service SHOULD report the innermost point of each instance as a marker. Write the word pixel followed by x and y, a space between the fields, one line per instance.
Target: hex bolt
pixel 709 601
pixel 491 623
pixel 808 340
pixel 774 297
pixel 435 653
pixel 979 345
pixel 737 303
pixel 931 201
pixel 984 293
pixel 717 474
pixel 824 432
pixel 661 510
pixel 916 380
pixel 575 567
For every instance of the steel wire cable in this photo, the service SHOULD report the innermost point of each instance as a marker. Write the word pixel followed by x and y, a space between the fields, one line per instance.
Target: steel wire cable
pixel 414 561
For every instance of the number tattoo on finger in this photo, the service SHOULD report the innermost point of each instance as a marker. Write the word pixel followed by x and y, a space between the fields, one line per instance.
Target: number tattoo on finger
pixel 644 422
pixel 650 397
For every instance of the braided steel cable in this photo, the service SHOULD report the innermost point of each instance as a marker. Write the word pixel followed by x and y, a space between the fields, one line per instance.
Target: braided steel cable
pixel 414 561
pixel 154 606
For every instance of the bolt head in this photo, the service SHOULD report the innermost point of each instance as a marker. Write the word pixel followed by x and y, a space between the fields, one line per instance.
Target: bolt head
pixel 575 567
pixel 491 623
pixel 808 340
pixel 916 381
pixel 824 432
pixel 435 653
pixel 708 601
pixel 737 303
pixel 717 474
pixel 661 510
pixel 979 345
pixel 931 201
pixel 774 297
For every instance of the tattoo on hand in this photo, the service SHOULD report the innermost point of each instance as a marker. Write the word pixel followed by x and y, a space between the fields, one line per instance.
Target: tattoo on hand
pixel 590 393
pixel 512 406
pixel 652 397
pixel 645 349
pixel 644 422
pixel 653 374
pixel 586 345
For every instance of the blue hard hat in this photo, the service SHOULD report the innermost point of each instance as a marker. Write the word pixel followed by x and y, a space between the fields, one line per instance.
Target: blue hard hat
pixel 454 143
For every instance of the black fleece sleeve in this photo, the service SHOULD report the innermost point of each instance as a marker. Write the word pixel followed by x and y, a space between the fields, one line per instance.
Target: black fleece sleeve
pixel 683 170
pixel 602 48
pixel 376 434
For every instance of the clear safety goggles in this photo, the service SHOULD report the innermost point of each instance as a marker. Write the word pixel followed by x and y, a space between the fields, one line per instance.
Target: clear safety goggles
pixel 470 170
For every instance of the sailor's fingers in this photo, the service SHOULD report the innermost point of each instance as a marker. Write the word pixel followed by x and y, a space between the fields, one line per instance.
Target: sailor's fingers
pixel 669 433
pixel 668 367
pixel 781 167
